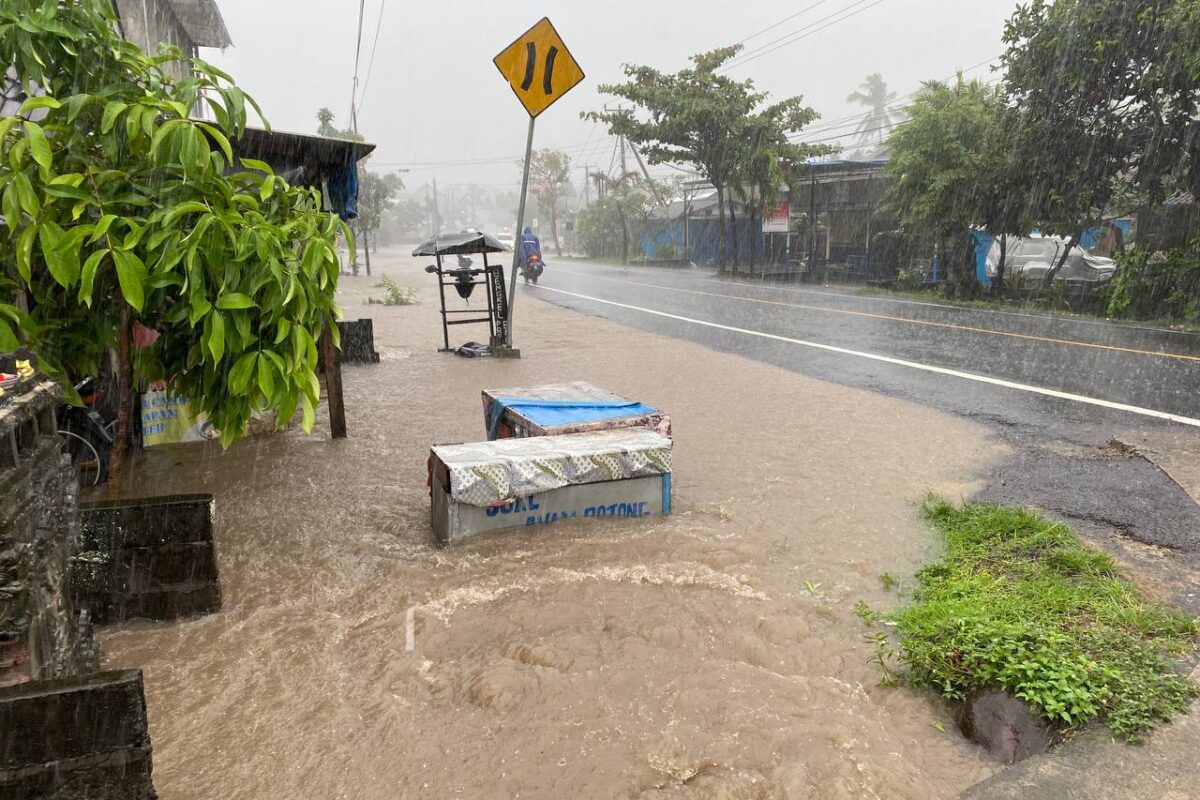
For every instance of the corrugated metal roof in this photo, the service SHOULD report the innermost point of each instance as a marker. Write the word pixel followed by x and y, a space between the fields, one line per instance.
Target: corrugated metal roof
pixel 283 150
pixel 203 22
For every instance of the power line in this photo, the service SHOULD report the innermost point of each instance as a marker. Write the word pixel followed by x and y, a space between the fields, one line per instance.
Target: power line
pixel 743 56
pixel 785 19
pixel 418 166
pixel 362 7
pixel 752 57
pixel 371 60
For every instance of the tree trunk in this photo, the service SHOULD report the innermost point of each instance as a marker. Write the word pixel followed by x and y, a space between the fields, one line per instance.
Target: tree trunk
pixel 968 279
pixel 754 232
pixel 120 447
pixel 624 239
pixel 1062 259
pixel 367 251
pixel 721 254
pixel 554 229
pixel 733 237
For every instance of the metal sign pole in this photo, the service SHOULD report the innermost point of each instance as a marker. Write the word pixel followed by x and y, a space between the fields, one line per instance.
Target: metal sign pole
pixel 512 279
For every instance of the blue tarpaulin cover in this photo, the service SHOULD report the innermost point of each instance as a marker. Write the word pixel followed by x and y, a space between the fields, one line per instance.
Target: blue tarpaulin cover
pixel 561 412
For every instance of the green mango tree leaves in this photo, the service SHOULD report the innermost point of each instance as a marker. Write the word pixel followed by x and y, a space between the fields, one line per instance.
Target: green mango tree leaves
pixel 113 197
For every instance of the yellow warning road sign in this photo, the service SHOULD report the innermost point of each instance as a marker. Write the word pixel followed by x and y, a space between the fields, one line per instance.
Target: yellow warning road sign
pixel 539 67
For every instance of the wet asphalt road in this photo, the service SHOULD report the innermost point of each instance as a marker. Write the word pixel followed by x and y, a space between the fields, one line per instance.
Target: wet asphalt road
pixel 1064 461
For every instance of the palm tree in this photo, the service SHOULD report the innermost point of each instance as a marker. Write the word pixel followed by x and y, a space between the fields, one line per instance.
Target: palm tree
pixel 880 117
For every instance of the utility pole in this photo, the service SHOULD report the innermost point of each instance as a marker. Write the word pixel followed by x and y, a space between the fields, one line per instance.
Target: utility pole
pixel 649 180
pixel 437 212
pixel 429 209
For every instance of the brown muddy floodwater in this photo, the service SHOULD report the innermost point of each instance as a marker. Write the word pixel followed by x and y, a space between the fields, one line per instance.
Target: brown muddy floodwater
pixel 714 653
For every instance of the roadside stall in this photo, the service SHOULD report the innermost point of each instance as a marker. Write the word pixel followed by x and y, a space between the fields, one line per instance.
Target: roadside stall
pixel 463 278
pixel 486 486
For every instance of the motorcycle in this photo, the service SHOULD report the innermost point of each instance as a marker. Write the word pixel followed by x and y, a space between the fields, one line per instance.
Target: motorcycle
pixel 89 436
pixel 532 269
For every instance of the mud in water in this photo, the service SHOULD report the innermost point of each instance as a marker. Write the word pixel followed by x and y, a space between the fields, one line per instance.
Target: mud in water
pixel 714 653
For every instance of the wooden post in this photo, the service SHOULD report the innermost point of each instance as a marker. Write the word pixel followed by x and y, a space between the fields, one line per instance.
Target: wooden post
pixel 120 449
pixel 333 386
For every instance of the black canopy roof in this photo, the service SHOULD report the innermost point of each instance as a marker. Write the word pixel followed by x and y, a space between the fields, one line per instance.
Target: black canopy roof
pixel 283 150
pixel 449 244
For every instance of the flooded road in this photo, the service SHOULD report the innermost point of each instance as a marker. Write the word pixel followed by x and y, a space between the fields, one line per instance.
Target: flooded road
pixel 714 653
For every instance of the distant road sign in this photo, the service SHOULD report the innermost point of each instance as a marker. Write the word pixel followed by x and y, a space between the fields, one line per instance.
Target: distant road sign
pixel 539 67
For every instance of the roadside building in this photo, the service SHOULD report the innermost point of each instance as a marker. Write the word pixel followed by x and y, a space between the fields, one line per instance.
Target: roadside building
pixel 187 24
pixel 828 221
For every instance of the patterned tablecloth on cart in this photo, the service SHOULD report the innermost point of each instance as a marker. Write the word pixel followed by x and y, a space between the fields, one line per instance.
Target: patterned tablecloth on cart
pixel 492 473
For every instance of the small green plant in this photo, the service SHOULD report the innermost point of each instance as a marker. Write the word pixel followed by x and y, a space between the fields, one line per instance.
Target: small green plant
pixel 867 614
pixel 396 295
pixel 813 588
pixel 882 656
pixel 889 581
pixel 1018 603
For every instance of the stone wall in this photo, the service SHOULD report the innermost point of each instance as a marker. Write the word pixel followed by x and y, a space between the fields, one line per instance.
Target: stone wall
pixel 41 633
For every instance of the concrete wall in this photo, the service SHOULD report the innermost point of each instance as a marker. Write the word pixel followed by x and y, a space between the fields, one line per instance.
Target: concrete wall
pixel 150 558
pixel 41 635
pixel 147 23
pixel 75 739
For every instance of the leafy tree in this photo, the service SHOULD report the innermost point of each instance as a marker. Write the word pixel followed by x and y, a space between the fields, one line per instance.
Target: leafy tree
pixel 874 95
pixel 607 226
pixel 406 217
pixel 549 181
pixel 1108 100
pixel 700 117
pixel 941 157
pixel 767 150
pixel 120 208
pixel 325 126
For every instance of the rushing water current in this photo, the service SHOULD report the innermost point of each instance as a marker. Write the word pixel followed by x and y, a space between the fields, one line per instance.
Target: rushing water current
pixel 714 653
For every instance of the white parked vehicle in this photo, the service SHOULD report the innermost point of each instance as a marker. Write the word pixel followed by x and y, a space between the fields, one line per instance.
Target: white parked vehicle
pixel 507 240
pixel 1033 256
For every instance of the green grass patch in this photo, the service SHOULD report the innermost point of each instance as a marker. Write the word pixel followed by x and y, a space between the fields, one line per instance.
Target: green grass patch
pixel 1018 603
pixel 396 295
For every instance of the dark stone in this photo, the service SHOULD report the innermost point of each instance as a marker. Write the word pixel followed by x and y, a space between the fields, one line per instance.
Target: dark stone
pixel 358 341
pixel 151 558
pixel 1005 726
pixel 82 737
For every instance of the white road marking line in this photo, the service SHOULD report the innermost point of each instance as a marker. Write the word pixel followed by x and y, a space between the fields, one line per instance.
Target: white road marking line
pixel 901 301
pixel 970 376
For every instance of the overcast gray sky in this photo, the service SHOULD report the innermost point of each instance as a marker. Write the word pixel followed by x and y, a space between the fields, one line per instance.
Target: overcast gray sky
pixel 434 95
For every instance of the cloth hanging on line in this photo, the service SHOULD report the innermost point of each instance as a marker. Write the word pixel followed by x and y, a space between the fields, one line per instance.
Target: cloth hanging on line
pixel 343 188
